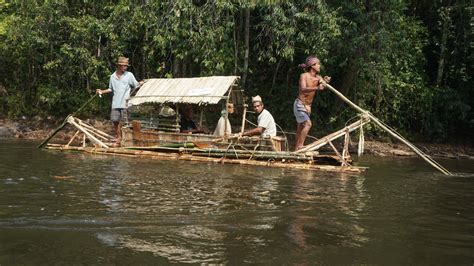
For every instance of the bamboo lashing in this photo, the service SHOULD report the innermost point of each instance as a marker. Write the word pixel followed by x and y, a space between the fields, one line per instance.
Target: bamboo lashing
pixel 423 155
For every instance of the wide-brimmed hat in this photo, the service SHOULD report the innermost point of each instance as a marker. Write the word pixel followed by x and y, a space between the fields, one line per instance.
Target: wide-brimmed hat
pixel 122 61
pixel 310 60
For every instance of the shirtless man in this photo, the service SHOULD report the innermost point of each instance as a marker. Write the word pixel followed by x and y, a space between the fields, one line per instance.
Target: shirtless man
pixel 309 83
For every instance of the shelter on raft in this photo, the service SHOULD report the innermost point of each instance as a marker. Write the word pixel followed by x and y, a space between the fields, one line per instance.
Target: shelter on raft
pixel 153 129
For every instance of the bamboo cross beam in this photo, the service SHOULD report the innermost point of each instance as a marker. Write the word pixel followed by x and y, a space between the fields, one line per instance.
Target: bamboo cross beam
pixel 325 140
pixel 65 123
pixel 98 132
pixel 71 121
pixel 73 137
pixel 339 156
pixel 423 155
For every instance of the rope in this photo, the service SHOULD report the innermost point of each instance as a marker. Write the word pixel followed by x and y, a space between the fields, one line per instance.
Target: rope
pixel 254 150
pixel 282 131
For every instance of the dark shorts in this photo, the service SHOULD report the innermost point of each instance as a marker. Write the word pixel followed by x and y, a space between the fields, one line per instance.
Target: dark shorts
pixel 118 115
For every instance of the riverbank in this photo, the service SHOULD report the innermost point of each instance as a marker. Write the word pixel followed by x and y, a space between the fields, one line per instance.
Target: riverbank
pixel 39 129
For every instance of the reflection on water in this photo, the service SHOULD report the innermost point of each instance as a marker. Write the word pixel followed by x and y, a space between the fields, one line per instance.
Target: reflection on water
pixel 92 209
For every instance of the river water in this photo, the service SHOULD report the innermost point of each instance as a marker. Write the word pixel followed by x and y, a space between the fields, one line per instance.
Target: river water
pixel 72 208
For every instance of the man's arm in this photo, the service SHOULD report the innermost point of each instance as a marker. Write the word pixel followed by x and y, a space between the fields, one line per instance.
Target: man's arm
pixel 303 85
pixel 109 90
pixel 99 91
pixel 253 132
pixel 323 81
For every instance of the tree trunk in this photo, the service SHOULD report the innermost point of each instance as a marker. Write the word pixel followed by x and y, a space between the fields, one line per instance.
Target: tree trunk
pixel 176 67
pixel 247 40
pixel 348 81
pixel 274 77
pixel 444 40
pixel 236 47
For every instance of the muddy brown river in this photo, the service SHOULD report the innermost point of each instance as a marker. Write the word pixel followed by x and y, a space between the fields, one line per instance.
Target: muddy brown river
pixel 73 208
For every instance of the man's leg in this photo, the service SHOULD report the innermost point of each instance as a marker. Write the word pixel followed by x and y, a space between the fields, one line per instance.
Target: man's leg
pixel 299 126
pixel 118 131
pixel 305 126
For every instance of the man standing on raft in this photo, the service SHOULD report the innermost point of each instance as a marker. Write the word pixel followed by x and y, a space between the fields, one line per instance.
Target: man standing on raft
pixel 121 83
pixel 309 83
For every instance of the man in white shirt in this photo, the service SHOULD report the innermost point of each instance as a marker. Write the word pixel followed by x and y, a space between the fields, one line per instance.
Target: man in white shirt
pixel 265 123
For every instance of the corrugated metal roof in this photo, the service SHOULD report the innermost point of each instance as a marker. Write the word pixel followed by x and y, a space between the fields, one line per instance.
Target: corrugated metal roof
pixel 203 90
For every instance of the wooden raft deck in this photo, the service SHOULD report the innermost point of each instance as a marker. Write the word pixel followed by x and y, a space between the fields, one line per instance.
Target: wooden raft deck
pixel 190 157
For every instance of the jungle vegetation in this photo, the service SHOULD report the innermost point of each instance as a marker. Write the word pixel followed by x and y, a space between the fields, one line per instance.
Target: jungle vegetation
pixel 409 62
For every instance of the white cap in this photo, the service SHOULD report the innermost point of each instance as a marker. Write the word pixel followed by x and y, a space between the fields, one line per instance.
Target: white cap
pixel 257 99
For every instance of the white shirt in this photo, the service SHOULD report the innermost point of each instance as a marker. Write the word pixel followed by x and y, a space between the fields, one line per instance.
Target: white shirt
pixel 223 126
pixel 121 88
pixel 265 120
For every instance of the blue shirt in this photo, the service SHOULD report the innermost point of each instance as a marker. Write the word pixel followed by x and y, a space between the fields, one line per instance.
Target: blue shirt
pixel 121 88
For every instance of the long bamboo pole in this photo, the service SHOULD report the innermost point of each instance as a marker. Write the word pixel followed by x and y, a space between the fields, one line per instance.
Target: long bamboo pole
pixel 423 155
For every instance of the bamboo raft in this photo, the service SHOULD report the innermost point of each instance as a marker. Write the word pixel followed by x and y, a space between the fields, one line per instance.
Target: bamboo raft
pixel 160 139
pixel 93 141
pixel 199 158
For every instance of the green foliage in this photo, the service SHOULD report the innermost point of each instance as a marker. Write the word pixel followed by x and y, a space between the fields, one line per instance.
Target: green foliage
pixel 410 63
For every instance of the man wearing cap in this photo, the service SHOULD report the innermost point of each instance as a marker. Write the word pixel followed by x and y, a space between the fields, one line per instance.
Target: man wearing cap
pixel 265 123
pixel 309 83
pixel 120 84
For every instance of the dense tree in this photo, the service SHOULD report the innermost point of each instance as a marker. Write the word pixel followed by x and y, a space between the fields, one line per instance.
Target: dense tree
pixel 409 62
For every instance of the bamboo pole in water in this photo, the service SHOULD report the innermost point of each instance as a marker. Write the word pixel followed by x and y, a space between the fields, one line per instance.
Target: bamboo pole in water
pixel 65 122
pixel 423 155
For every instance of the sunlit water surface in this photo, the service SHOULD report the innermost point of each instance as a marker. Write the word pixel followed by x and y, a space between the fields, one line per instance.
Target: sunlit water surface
pixel 58 207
